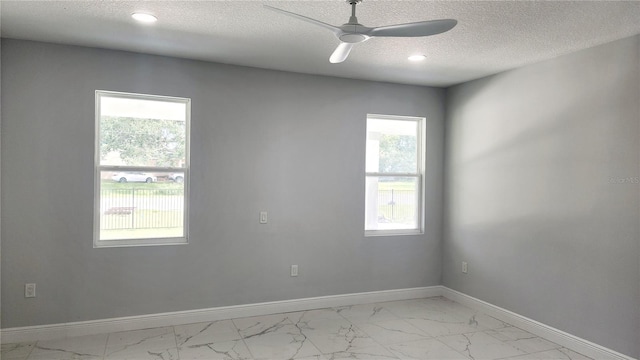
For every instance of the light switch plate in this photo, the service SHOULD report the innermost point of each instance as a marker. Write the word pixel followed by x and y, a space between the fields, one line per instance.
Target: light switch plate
pixel 263 217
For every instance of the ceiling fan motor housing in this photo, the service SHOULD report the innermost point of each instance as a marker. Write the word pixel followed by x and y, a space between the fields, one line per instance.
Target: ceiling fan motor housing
pixel 353 33
pixel 353 38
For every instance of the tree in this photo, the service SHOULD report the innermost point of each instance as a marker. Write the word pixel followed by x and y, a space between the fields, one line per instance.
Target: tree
pixel 398 153
pixel 143 142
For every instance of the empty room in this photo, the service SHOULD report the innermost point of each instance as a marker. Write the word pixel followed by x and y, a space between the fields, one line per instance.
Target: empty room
pixel 320 180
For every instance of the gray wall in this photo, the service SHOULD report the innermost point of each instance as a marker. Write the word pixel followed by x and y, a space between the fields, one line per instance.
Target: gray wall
pixel 542 195
pixel 290 144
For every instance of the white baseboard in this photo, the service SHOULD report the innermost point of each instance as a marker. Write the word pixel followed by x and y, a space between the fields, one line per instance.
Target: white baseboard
pixel 552 334
pixel 55 331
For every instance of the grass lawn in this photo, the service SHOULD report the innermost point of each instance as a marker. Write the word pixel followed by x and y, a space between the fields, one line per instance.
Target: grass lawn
pixel 145 223
pixel 384 185
pixel 141 233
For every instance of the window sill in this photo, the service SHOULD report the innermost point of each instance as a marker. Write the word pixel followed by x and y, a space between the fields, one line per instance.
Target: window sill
pixel 139 242
pixel 372 233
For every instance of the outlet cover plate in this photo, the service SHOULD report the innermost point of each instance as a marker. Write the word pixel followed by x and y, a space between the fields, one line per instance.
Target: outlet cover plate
pixel 29 290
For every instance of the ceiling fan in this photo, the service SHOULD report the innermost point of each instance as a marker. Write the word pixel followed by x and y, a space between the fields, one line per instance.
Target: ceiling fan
pixel 352 32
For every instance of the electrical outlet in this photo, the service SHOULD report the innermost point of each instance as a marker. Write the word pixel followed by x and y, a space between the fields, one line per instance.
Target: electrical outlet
pixel 464 267
pixel 29 290
pixel 294 270
pixel 263 217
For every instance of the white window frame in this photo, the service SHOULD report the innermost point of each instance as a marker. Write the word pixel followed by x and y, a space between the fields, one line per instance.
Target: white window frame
pixel 97 243
pixel 419 175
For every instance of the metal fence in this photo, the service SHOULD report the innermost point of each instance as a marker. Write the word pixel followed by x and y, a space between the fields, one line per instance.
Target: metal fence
pixel 141 208
pixel 397 205
pixel 164 208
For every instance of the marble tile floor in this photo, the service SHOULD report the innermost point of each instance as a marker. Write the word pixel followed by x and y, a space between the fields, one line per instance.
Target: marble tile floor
pixel 430 328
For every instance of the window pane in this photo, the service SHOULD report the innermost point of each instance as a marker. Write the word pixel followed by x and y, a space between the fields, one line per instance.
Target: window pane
pixel 141 132
pixel 391 203
pixel 392 146
pixel 141 205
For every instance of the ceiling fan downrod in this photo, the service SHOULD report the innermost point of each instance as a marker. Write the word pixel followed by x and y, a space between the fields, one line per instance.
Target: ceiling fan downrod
pixel 353 20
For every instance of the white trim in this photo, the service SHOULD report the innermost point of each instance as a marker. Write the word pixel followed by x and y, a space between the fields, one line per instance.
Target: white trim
pixel 560 337
pixel 54 331
pixel 420 123
pixel 98 169
pixel 392 232
pixel 379 174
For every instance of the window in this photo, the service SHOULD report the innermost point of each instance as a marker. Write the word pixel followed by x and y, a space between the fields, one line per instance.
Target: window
pixel 141 169
pixel 394 181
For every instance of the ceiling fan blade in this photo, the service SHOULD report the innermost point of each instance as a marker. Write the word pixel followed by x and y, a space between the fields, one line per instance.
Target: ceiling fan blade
pixel 421 28
pixel 340 53
pixel 334 29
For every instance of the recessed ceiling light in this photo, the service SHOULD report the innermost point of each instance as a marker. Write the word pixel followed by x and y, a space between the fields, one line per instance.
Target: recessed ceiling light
pixel 417 57
pixel 144 18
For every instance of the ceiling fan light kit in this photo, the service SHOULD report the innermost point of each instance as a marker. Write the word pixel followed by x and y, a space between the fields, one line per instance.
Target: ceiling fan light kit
pixel 144 17
pixel 416 58
pixel 353 32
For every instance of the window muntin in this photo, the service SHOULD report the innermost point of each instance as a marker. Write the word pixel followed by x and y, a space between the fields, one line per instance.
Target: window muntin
pixel 394 180
pixel 142 167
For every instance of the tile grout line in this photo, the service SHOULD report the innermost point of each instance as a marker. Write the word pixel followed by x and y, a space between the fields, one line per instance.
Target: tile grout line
pixel 450 347
pixel 366 333
pixel 106 341
pixel 242 337
pixel 526 352
pixel 175 341
pixel 471 332
pixel 31 351
pixel 307 336
pixel 432 337
pixel 557 348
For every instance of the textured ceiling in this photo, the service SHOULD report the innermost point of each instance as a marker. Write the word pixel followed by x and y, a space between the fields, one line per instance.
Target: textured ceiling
pixel 491 36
